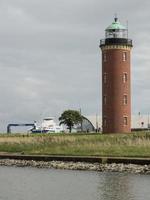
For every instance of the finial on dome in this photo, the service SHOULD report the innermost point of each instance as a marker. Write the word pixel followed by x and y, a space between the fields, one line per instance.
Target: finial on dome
pixel 116 18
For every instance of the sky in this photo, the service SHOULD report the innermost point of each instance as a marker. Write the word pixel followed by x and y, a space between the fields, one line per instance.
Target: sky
pixel 50 59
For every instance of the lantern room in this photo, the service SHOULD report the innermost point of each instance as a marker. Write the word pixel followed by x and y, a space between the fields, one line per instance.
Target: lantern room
pixel 116 30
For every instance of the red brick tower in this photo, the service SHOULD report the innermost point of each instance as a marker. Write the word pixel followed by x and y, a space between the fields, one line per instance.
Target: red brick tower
pixel 116 89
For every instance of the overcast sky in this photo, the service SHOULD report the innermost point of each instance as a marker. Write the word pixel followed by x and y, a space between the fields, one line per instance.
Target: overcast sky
pixel 50 58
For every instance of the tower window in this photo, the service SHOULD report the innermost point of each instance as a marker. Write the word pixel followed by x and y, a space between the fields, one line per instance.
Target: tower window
pixel 105 78
pixel 104 122
pixel 105 99
pixel 125 99
pixel 104 57
pixel 125 77
pixel 124 56
pixel 125 121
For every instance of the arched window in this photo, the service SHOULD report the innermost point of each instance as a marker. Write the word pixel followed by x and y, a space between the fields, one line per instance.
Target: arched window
pixel 125 77
pixel 104 121
pixel 104 57
pixel 125 120
pixel 125 99
pixel 124 56
pixel 105 77
pixel 105 99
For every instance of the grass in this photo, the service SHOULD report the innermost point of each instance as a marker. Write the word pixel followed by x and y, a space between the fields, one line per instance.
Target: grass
pixel 135 144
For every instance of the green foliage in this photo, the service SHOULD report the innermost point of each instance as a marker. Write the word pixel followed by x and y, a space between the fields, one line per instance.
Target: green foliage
pixel 131 145
pixel 70 118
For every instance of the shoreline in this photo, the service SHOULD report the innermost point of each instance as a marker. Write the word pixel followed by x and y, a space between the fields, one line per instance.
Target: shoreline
pixel 65 165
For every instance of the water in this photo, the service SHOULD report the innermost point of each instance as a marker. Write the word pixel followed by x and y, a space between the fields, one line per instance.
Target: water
pixel 48 184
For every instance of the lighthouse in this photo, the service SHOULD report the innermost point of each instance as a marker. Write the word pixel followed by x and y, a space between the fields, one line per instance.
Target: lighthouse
pixel 116 79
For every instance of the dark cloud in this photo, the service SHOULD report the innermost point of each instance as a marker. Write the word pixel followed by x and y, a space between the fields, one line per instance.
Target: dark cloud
pixel 50 59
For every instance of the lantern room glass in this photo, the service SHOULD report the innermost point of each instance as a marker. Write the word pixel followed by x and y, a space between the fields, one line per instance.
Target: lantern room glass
pixel 116 33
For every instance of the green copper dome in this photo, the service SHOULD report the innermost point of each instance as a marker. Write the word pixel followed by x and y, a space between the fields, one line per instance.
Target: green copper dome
pixel 116 25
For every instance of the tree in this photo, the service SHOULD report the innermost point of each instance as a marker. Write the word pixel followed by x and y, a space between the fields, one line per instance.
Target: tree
pixel 70 118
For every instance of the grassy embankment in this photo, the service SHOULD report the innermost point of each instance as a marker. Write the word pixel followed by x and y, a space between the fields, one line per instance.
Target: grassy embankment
pixel 135 144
